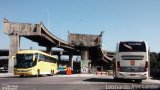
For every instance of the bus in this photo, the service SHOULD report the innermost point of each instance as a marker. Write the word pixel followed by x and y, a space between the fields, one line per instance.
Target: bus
pixel 131 61
pixel 34 63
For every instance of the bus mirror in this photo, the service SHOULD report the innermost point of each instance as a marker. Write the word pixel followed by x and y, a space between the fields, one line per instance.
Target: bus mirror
pixel 34 57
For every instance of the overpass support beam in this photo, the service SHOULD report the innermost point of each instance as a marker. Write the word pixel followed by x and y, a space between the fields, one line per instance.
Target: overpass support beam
pixel 49 50
pixel 59 60
pixel 14 47
pixel 85 54
pixel 85 60
pixel 71 60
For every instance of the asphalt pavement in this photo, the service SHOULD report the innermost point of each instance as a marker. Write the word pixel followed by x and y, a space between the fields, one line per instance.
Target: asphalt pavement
pixel 71 82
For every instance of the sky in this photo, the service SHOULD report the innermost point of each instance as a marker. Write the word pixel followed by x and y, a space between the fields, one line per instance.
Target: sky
pixel 121 20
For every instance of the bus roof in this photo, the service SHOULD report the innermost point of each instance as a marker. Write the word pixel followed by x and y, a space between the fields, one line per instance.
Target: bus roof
pixel 33 51
pixel 132 41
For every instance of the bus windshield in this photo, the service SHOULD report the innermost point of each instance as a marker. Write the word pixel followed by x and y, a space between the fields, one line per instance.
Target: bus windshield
pixel 25 61
pixel 132 47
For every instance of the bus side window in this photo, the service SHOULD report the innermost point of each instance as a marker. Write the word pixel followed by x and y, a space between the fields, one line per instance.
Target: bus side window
pixel 50 59
pixel 41 57
pixel 47 59
pixel 54 60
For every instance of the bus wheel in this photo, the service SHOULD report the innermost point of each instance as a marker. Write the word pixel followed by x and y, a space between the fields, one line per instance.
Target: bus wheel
pixel 38 73
pixel 117 79
pixel 138 81
pixel 52 72
pixel 21 75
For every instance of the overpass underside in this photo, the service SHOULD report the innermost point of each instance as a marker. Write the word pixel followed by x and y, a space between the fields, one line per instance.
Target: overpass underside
pixel 99 60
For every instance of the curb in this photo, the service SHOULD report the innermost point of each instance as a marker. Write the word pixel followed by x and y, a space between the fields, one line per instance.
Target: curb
pixel 80 75
pixel 59 75
pixel 6 74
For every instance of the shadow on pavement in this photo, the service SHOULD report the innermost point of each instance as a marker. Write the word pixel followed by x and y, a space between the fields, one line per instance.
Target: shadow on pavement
pixel 1 71
pixel 64 72
pixel 107 80
pixel 12 76
pixel 17 77
pixel 61 73
pixel 155 78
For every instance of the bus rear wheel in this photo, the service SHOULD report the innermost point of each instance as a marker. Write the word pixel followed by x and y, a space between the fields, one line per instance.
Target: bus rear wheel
pixel 52 73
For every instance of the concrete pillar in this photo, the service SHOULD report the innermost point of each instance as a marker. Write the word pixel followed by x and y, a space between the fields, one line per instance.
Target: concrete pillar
pixel 84 54
pixel 70 60
pixel 14 47
pixel 59 59
pixel 85 60
pixel 49 50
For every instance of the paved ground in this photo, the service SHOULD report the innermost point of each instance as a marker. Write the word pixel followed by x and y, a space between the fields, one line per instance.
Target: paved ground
pixel 68 82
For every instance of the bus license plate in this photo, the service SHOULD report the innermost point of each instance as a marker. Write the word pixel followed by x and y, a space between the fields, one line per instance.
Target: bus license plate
pixel 132 75
pixel 132 62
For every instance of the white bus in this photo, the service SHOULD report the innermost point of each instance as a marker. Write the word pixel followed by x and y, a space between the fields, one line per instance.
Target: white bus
pixel 131 61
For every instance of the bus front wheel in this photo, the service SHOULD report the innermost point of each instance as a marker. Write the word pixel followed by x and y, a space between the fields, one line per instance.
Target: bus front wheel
pixel 51 73
pixel 38 73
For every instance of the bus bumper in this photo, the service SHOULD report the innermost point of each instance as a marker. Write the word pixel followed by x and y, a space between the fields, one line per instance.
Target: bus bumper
pixel 25 72
pixel 124 75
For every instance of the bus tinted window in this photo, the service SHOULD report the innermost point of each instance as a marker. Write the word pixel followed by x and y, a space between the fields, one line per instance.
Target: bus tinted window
pixel 132 57
pixel 42 57
pixel 24 61
pixel 47 58
pixel 132 47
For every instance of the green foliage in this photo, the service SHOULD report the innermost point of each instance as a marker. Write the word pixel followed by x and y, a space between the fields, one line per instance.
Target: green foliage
pixel 154 60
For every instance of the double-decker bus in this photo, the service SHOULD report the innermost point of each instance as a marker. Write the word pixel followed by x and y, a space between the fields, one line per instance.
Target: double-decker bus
pixel 34 63
pixel 131 60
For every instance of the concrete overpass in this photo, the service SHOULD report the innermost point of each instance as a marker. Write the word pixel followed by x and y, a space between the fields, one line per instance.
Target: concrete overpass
pixel 35 32
pixel 88 46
